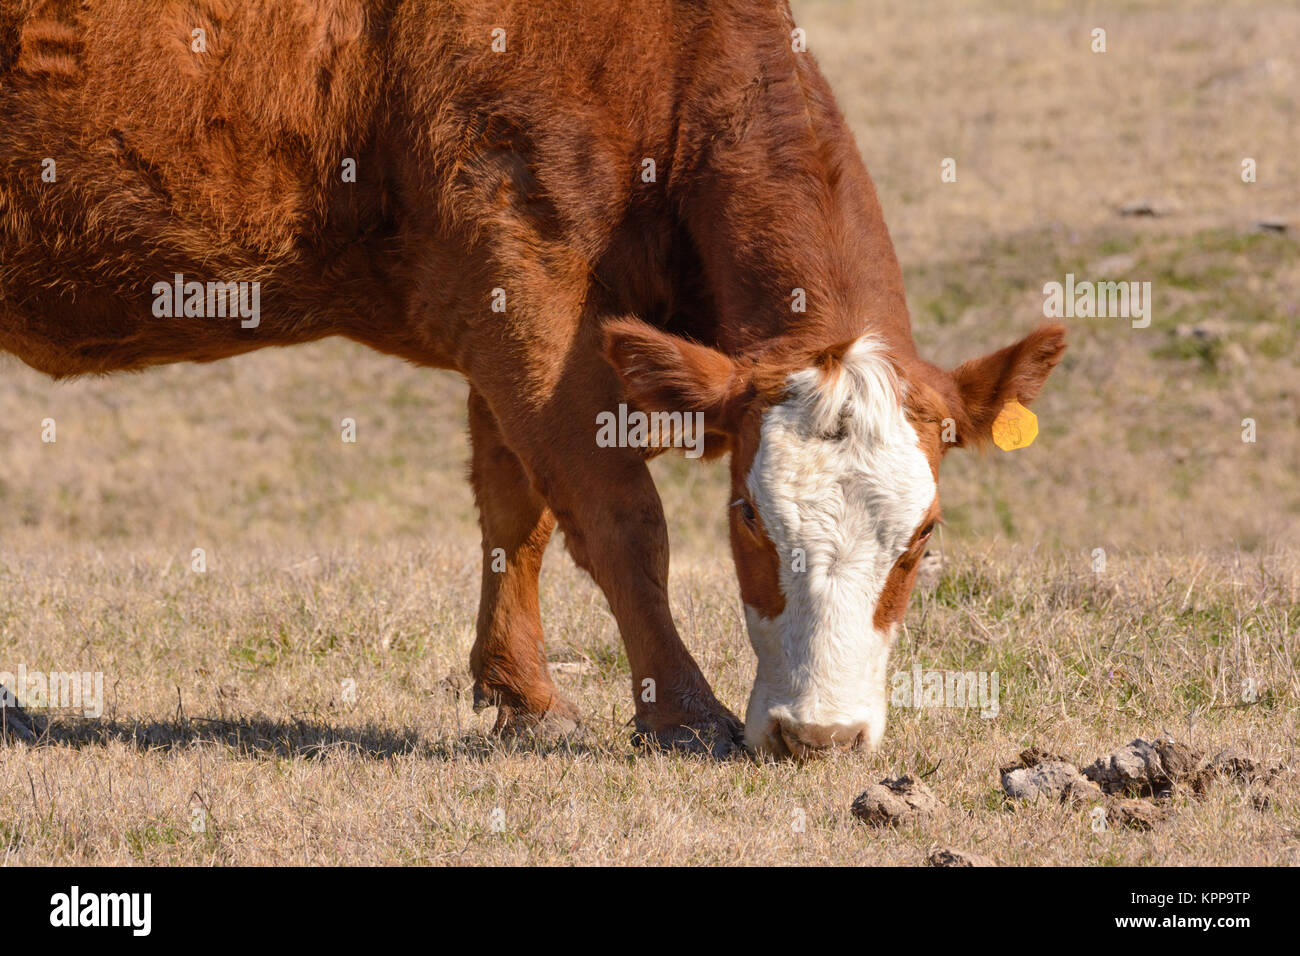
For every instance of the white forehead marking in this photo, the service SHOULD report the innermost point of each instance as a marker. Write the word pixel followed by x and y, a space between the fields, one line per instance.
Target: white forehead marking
pixel 840 473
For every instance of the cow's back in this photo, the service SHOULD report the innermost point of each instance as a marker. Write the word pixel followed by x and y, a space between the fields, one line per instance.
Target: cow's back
pixel 209 139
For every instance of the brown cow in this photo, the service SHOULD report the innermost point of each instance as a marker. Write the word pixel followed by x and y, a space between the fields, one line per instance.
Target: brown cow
pixel 573 203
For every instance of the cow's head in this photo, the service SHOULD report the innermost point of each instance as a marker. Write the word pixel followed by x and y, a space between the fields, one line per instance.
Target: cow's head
pixel 834 463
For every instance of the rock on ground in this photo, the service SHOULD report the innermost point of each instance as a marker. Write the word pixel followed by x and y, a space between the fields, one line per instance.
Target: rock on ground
pixel 895 802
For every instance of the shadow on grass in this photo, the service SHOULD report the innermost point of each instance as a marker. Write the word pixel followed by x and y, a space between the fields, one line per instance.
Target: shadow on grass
pixel 264 737
pixel 314 738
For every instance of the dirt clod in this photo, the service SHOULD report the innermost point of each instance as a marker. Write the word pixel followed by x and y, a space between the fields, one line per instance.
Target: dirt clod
pixel 951 856
pixel 1135 814
pixel 1032 757
pixel 1146 207
pixel 1184 765
pixel 1049 780
pixel 896 802
pixel 1134 770
pixel 1232 762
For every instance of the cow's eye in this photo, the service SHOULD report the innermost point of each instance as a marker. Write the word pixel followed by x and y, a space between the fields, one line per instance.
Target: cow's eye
pixel 747 511
pixel 927 531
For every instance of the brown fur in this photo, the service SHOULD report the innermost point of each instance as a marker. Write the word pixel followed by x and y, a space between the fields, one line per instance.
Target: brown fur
pixel 477 171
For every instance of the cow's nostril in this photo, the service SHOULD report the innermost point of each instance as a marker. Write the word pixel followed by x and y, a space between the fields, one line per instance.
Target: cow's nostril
pixel 809 741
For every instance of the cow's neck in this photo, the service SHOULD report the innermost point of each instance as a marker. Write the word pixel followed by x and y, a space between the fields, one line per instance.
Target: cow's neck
pixel 780 201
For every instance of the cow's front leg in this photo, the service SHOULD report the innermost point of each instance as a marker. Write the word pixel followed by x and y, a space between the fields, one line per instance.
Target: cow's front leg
pixel 509 656
pixel 606 503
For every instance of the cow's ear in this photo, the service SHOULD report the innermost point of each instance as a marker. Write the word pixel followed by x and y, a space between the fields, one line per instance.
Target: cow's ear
pixel 1015 373
pixel 662 372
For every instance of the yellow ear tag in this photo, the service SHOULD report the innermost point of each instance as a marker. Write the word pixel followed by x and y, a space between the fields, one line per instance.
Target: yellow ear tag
pixel 1015 427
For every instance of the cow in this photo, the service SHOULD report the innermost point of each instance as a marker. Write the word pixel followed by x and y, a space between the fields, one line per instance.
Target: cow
pixel 576 205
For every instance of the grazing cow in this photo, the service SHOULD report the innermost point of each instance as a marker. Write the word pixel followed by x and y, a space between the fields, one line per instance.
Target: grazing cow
pixel 573 203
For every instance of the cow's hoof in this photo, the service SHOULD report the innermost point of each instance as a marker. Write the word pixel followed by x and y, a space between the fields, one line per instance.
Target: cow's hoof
pixel 16 723
pixel 719 735
pixel 553 722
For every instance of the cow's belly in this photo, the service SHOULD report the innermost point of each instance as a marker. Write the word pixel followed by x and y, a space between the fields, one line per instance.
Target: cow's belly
pixel 69 340
pixel 69 322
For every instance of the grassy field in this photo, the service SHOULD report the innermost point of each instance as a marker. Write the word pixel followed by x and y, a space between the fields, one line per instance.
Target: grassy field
pixel 305 697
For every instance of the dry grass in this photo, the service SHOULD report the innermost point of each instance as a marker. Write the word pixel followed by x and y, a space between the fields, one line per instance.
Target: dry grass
pixel 1047 133
pixel 331 562
pixel 227 695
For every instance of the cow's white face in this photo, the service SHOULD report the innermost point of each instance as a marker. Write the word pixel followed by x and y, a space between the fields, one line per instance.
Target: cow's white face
pixel 834 460
pixel 841 488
